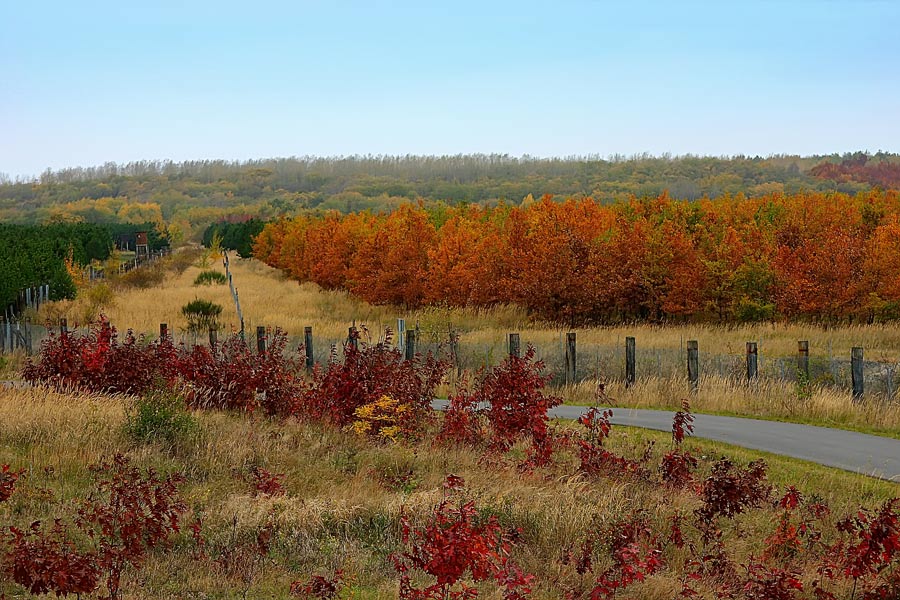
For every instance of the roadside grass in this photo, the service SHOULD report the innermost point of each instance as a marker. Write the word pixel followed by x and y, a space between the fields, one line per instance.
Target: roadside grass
pixel 343 500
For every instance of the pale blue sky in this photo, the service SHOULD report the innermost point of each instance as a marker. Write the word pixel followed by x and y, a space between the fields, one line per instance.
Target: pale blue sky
pixel 82 83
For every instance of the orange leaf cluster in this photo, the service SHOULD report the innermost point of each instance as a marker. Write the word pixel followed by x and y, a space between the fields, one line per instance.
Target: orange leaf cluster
pixel 801 256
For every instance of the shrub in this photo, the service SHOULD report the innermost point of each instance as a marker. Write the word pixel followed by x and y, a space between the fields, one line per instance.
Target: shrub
pixel 455 542
pixel 45 562
pixel 8 479
pixel 143 277
pixel 99 362
pixel 128 514
pixel 159 416
pixel 320 587
pixel 210 278
pixel 367 374
pixel 201 315
pixel 511 400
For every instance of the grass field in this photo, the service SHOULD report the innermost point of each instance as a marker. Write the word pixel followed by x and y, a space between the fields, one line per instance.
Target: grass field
pixel 337 512
pixel 268 298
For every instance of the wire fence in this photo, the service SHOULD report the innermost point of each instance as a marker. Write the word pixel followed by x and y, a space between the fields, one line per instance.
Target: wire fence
pixel 594 362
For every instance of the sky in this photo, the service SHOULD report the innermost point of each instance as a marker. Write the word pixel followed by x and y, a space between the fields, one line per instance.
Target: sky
pixel 84 83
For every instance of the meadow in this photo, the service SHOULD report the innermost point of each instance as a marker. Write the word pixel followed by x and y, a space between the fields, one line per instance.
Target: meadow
pixel 341 484
pixel 270 299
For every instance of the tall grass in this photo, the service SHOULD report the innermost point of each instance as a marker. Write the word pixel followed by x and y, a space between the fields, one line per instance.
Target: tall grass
pixel 337 513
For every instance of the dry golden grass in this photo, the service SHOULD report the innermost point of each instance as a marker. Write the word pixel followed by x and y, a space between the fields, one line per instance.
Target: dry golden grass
pixel 337 513
pixel 271 299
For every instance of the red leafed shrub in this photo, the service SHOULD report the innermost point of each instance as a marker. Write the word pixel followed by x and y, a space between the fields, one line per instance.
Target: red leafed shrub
pixel 785 542
pixel 45 562
pixel 266 483
pixel 677 465
pixel 764 583
pixel 677 468
pixel 635 553
pixel 99 362
pixel 127 515
pixel 8 479
pixel 232 376
pixel 874 540
pixel 319 587
pixel 597 460
pixel 367 373
pixel 454 543
pixel 729 491
pixel 463 423
pixel 682 423
pixel 507 404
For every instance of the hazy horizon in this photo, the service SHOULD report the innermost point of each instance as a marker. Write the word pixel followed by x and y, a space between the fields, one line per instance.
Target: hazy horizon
pixel 100 82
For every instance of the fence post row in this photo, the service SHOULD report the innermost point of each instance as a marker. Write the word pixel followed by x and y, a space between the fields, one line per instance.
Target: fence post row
pixel 693 365
pixel 803 360
pixel 410 344
pixel 261 339
pixel 630 375
pixel 514 345
pixel 571 366
pixel 752 361
pixel 856 371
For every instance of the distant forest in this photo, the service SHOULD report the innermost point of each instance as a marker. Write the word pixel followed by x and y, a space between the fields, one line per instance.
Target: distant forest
pixel 185 198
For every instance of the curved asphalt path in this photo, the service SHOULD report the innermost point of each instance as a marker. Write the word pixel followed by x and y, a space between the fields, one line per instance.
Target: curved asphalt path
pixel 861 453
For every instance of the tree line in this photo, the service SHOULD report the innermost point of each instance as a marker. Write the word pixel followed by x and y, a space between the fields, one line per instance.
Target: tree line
pixel 187 197
pixel 811 256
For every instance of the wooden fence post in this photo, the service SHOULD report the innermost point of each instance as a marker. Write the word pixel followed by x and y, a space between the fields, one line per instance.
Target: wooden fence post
pixel 410 344
pixel 803 360
pixel 856 371
pixel 401 333
pixel 2 335
pixel 353 337
pixel 752 361
pixel 261 339
pixel 514 345
pixel 630 353
pixel 63 326
pixel 693 365
pixel 571 366
pixel 308 347
pixel 163 331
pixel 213 337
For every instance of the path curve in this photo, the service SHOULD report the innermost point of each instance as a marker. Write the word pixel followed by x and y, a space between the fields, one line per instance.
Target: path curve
pixel 861 453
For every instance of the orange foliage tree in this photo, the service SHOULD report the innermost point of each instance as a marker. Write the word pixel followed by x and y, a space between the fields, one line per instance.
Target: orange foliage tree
pixel 801 256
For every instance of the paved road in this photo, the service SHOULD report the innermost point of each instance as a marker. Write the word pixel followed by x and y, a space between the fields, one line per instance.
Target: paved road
pixel 857 452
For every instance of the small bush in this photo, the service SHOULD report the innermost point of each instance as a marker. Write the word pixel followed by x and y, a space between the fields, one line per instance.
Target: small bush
pixel 143 277
pixel 159 416
pixel 201 315
pixel 210 278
